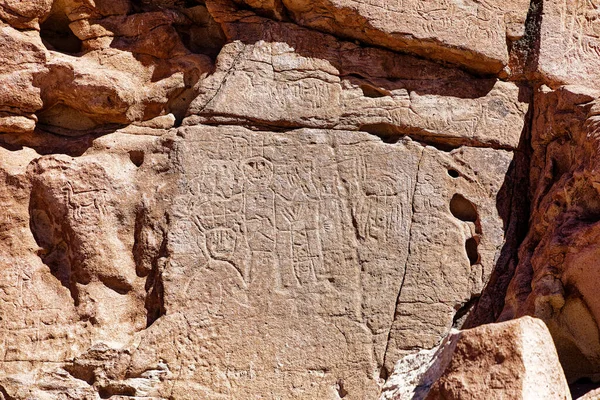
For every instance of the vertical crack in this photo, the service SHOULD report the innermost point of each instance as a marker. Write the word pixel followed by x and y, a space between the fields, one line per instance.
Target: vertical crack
pixel 525 52
pixel 384 373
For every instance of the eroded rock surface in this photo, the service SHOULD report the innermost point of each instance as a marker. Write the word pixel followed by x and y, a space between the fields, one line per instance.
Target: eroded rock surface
pixel 512 360
pixel 555 276
pixel 281 199
pixel 471 33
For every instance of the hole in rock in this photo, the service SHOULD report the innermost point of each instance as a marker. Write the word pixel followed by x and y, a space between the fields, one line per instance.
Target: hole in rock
pixel 108 392
pixel 383 374
pixel 453 173
pixel 471 248
pixel 463 209
pixel 340 389
pixel 203 35
pixel 55 31
pixel 136 157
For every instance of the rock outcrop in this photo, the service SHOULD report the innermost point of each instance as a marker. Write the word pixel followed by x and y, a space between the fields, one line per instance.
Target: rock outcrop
pixel 281 199
pixel 509 360
pixel 555 279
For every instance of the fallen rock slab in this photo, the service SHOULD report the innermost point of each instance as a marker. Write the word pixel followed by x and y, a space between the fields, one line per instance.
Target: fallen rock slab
pixel 508 360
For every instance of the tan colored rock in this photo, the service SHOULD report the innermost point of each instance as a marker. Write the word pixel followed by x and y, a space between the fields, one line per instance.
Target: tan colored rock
pixel 281 199
pixel 284 79
pixel 281 258
pixel 569 46
pixel 473 34
pixel 509 360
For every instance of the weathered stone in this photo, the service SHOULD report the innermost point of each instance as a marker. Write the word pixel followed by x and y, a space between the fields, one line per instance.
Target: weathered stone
pixel 22 59
pixel 24 14
pixel 554 280
pixel 104 68
pixel 283 79
pixel 569 47
pixel 473 34
pixel 281 199
pixel 265 246
pixel 509 360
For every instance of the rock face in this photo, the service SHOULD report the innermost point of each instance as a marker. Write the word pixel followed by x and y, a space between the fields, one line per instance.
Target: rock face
pixel 555 279
pixel 281 199
pixel 508 360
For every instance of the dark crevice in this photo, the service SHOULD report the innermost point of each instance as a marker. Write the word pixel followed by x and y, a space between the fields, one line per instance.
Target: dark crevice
pixel 149 262
pixel 373 91
pixel 462 312
pixel 524 53
pixel 116 390
pixel 275 127
pixel 54 251
pixel 56 33
pixel 583 386
pixel 342 392
pixel 471 246
pixel 202 34
pixel 392 134
pixel 46 143
pixel 5 395
pixel 513 204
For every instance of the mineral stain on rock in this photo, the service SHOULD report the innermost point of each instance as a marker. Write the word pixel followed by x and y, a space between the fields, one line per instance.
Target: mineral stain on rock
pixel 298 199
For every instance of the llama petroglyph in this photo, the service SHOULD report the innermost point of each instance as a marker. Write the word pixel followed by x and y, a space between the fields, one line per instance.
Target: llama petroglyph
pixel 78 200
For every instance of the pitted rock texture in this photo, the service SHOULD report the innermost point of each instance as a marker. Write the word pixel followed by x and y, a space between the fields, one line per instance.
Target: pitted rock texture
pixel 281 199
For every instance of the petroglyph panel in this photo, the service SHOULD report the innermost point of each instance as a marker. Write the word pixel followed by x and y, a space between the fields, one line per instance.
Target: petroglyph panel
pixel 309 237
pixel 570 41
pixel 325 89
pixel 471 33
pixel 455 227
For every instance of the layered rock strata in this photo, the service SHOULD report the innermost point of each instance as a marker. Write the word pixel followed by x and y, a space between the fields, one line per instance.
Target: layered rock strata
pixel 281 199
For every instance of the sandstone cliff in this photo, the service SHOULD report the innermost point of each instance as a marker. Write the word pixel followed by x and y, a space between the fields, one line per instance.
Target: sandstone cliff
pixel 282 199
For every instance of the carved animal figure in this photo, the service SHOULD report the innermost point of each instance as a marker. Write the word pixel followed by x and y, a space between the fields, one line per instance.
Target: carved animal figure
pixel 78 200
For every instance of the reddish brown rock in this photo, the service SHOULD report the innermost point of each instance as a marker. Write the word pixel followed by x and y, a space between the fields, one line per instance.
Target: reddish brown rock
pixel 281 199
pixel 509 360
pixel 24 14
pixel 555 279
